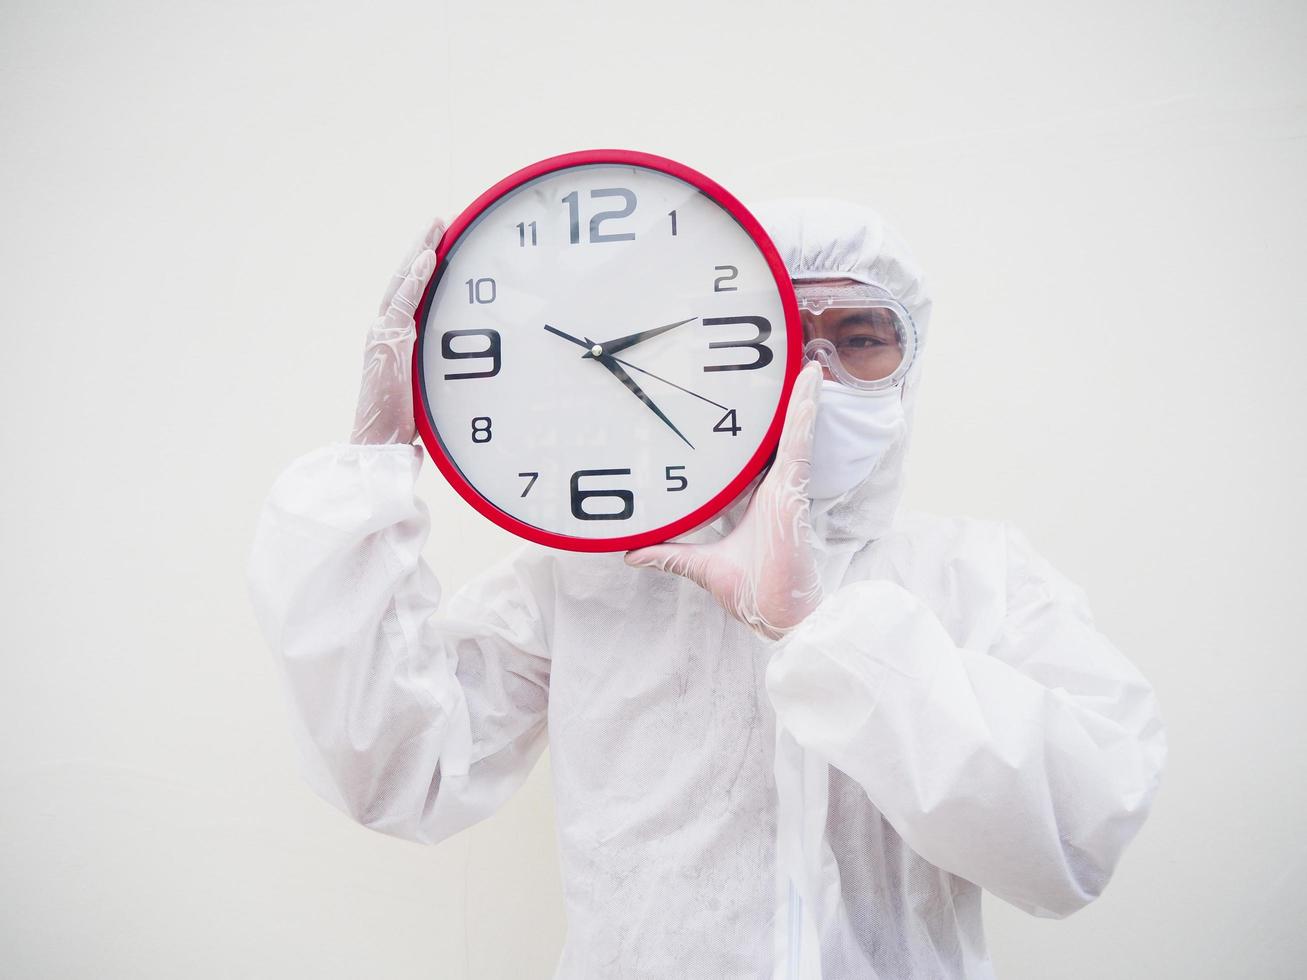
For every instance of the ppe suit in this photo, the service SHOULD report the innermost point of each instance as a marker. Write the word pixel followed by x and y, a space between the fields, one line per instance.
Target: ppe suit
pixel 828 804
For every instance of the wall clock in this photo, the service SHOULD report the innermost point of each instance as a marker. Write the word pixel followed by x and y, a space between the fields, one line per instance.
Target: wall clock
pixel 605 351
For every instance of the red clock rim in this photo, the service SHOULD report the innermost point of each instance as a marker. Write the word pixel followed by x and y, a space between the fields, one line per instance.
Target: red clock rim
pixel 766 447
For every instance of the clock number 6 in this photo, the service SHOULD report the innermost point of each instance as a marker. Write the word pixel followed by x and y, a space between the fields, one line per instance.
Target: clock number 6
pixel 579 497
pixel 573 202
pixel 491 350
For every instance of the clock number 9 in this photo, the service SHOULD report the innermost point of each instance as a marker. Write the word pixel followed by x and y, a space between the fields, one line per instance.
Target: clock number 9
pixel 573 202
pixel 491 350
pixel 579 497
pixel 762 328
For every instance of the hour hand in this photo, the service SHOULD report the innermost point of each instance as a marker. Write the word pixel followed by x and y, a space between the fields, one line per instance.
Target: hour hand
pixel 567 336
pixel 630 340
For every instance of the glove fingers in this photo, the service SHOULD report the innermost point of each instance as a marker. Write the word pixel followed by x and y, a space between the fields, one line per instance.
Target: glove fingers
pixel 783 495
pixel 427 240
pixel 800 418
pixel 404 303
pixel 395 328
pixel 385 406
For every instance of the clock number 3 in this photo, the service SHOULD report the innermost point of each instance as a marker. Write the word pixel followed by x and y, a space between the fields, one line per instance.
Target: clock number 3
pixel 573 202
pixel 756 343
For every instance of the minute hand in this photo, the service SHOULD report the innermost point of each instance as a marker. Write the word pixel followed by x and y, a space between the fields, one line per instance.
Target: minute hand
pixel 616 369
pixel 630 340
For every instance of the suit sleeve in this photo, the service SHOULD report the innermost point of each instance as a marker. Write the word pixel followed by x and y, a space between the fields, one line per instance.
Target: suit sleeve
pixel 415 724
pixel 1025 768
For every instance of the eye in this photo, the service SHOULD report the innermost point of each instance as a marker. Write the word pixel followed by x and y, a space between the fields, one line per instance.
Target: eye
pixel 862 342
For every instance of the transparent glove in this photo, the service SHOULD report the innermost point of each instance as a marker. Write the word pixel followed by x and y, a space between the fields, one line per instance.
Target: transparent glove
pixel 385 408
pixel 765 572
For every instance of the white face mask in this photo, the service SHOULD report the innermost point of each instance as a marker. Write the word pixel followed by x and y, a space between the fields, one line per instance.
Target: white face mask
pixel 854 431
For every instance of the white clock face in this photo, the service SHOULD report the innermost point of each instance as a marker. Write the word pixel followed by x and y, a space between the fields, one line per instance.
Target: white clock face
pixel 604 352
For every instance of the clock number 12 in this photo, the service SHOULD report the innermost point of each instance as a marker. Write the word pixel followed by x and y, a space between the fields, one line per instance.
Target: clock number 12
pixel 573 202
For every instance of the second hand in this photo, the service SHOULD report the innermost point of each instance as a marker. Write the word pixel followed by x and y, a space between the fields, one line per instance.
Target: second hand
pixel 634 367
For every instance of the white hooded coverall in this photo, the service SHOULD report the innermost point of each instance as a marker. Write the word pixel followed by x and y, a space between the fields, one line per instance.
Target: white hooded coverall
pixel 953 720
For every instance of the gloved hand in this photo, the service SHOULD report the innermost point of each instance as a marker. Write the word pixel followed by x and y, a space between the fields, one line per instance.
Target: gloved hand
pixel 765 572
pixel 385 408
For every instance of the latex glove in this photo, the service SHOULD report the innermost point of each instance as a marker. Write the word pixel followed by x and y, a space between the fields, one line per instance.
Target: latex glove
pixel 385 407
pixel 765 572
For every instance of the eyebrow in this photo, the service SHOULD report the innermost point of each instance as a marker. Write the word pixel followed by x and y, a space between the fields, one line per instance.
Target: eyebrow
pixel 864 320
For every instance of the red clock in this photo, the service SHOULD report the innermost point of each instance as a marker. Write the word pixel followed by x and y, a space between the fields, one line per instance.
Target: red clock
pixel 605 351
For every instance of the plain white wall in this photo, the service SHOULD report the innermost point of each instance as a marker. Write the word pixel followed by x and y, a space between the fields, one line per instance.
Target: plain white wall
pixel 201 205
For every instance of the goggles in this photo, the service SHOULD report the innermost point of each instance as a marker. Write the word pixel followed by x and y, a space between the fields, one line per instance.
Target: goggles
pixel 858 332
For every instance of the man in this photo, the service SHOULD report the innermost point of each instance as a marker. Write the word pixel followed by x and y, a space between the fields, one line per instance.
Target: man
pixel 805 753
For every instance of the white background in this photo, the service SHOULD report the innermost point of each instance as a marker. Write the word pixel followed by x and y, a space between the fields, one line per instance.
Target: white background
pixel 201 204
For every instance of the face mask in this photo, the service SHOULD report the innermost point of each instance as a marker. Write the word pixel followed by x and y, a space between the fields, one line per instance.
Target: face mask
pixel 854 431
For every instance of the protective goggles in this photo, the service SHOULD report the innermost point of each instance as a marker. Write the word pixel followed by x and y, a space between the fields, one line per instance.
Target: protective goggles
pixel 858 332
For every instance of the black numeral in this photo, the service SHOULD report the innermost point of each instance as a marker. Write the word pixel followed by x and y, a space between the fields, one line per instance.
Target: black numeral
pixel 672 215
pixel 522 227
pixel 675 477
pixel 481 433
pixel 491 350
pixel 573 202
pixel 579 497
pixel 529 483
pixel 727 423
pixel 762 328
pixel 480 290
pixel 718 283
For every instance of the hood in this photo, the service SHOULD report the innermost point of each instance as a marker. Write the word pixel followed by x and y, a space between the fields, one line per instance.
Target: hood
pixel 823 238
